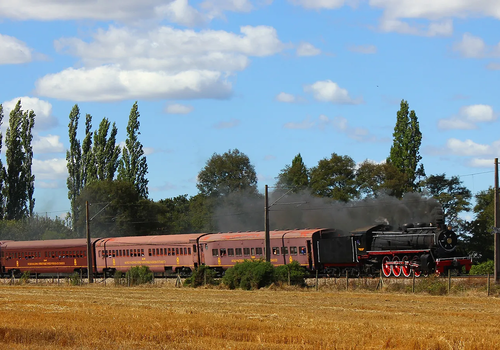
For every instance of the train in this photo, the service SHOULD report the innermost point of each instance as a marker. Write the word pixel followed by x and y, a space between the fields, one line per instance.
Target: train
pixel 413 249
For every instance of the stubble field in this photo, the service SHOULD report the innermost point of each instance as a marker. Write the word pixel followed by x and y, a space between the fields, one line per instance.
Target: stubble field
pixel 98 317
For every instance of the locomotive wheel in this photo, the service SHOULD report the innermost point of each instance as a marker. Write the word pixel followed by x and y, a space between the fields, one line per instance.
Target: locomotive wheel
pixel 406 269
pixel 416 260
pixel 386 269
pixel 396 269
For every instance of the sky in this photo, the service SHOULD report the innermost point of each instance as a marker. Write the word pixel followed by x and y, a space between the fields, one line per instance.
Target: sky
pixel 270 78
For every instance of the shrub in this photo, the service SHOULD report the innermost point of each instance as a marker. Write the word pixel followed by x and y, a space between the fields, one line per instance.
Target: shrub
pixel 297 274
pixel 74 279
pixel 250 274
pixel 484 268
pixel 118 278
pixel 25 277
pixel 139 275
pixel 202 275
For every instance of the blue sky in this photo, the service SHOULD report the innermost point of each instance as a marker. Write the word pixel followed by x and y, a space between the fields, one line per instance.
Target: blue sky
pixel 271 78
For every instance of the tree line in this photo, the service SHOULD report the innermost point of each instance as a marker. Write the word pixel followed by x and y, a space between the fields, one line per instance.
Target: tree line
pixel 113 180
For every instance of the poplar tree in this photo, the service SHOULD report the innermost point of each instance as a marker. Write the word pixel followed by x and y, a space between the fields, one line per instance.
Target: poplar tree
pixel 88 168
pixel 105 150
pixel 2 172
pixel 405 150
pixel 19 156
pixel 133 166
pixel 74 164
pixel 295 176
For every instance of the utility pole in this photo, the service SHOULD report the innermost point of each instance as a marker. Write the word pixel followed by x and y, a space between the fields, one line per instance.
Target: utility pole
pixel 495 230
pixel 90 270
pixel 266 227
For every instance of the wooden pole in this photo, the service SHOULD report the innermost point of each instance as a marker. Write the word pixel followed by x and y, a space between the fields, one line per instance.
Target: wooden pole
pixel 90 271
pixel 449 281
pixel 496 276
pixel 488 285
pixel 266 226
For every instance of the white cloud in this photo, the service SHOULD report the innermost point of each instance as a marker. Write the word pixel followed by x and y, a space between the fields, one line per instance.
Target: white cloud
pixel 47 144
pixel 307 49
pixel 328 91
pixel 178 109
pixel 43 120
pixel 321 4
pixel 303 125
pixel 109 83
pixel 179 11
pixel 50 169
pixel 364 49
pixel 47 10
pixel 442 28
pixel 216 7
pixel 284 97
pixel 359 134
pixel 471 46
pixel 481 162
pixel 470 148
pixel 468 117
pixel 493 66
pixel 13 51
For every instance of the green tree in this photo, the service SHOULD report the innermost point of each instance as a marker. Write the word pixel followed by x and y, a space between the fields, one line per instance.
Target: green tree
pixel 74 163
pixel 88 167
pixel 335 178
pixel 19 179
pixel 453 197
pixel 133 166
pixel 176 215
pixel 295 176
pixel 227 173
pixel 105 151
pixel 2 172
pixel 405 150
pixel 374 179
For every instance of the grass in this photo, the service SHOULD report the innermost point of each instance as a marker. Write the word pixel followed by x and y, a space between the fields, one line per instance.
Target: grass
pixel 164 317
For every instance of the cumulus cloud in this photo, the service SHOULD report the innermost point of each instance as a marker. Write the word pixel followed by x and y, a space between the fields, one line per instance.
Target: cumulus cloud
pixel 47 144
pixel 307 49
pixel 178 109
pixel 302 125
pixel 493 66
pixel 179 11
pixel 43 120
pixel 341 124
pixel 471 148
pixel 216 8
pixel 468 117
pixel 109 83
pixel 50 169
pixel 328 91
pixel 284 97
pixel 481 162
pixel 364 49
pixel 13 51
pixel 474 47
pixel 441 28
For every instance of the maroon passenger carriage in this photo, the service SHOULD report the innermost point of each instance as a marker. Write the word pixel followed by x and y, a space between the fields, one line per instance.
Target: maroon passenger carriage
pixel 51 256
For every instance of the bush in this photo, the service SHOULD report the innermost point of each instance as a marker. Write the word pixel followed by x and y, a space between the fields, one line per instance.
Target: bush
pixel 484 268
pixel 202 275
pixel 297 274
pixel 74 279
pixel 139 275
pixel 118 278
pixel 250 274
pixel 25 277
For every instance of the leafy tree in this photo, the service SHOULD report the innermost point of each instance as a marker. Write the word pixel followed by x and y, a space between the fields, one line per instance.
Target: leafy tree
pixel 227 173
pixel 105 151
pixel 74 163
pixel 335 178
pixel 2 171
pixel 133 166
pixel 295 176
pixel 176 216
pixel 478 238
pixel 19 179
pixel 88 167
pixel 453 197
pixel 405 150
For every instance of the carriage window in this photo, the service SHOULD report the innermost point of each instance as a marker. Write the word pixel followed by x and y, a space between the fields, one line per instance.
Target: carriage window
pixel 185 251
pixel 302 250
pixel 223 252
pixel 215 252
pixel 176 251
pixel 276 251
pixel 157 251
pixel 189 251
pixel 258 251
pixel 194 249
pixel 149 252
pixel 284 250
pixel 293 250
pixel 169 252
pixel 161 251
pixel 246 251
pixel 238 251
pixel 142 252
pixel 252 251
pixel 230 252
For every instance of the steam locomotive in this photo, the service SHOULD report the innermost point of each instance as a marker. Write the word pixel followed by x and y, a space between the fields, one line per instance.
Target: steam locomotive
pixel 417 248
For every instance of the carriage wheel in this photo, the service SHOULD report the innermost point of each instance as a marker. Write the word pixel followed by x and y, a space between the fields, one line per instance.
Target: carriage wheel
pixel 406 269
pixel 386 268
pixel 416 260
pixel 396 269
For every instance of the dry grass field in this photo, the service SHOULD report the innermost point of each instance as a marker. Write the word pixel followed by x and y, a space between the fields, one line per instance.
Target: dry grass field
pixel 164 317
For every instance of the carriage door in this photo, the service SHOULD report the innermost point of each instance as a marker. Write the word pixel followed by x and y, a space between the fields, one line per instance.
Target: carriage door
pixel 309 255
pixel 196 257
